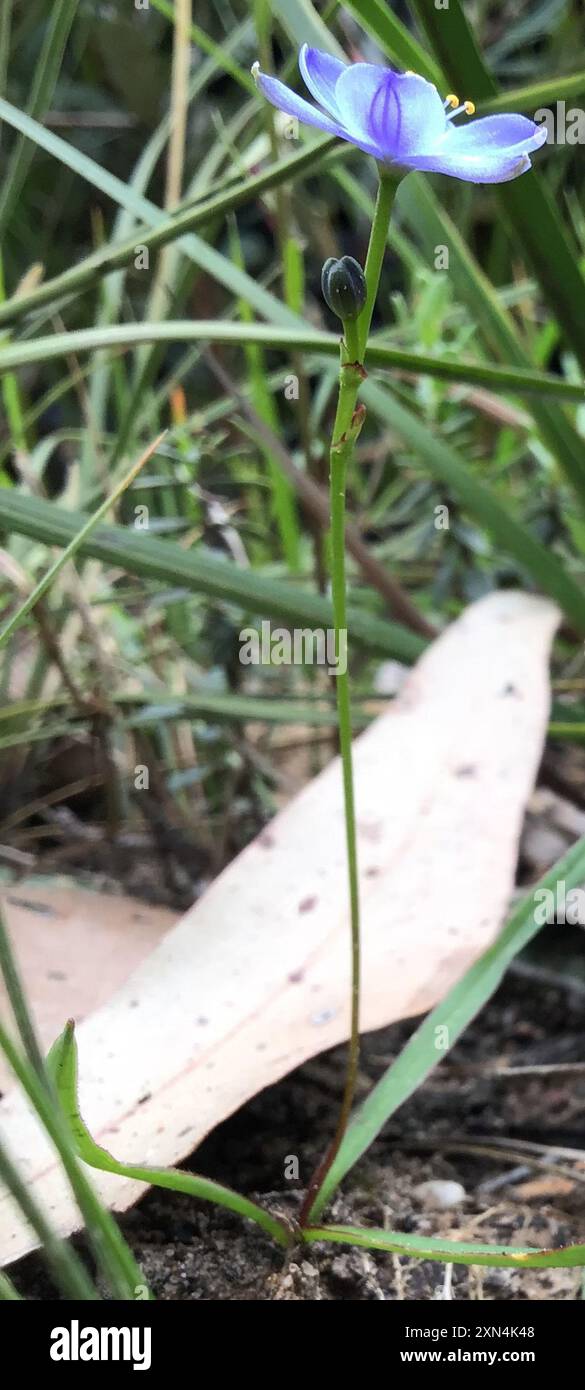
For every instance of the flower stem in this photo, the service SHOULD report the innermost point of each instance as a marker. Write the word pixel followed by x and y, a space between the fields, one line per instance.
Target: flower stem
pixel 376 249
pixel 349 419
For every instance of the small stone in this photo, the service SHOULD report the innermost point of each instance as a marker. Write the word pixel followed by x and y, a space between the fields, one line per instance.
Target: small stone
pixel 440 1193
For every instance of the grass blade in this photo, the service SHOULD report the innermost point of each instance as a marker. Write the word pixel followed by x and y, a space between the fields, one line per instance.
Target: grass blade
pixel 76 544
pixel 8 1292
pixel 113 1256
pixel 200 573
pixel 263 400
pixel 63 1067
pixel 112 287
pixel 164 229
pixel 430 223
pixel 510 535
pixel 214 50
pixel 394 38
pixel 199 251
pixel 43 85
pixel 16 996
pixel 456 1252
pixel 514 380
pixel 421 1054
pixel 535 94
pixel 67 1269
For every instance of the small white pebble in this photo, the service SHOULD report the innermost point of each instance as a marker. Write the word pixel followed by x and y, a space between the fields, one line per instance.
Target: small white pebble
pixel 441 1193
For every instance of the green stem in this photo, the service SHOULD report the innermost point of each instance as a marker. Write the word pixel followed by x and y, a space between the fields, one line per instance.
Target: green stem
pixel 349 419
pixel 376 249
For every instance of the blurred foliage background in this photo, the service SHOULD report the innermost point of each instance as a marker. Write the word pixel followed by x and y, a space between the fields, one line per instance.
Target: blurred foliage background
pixel 119 119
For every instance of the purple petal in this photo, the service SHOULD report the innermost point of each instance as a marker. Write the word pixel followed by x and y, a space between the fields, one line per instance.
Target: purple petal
pixel 472 168
pixel 320 72
pixel 397 113
pixel 513 135
pixel 293 105
pixel 494 149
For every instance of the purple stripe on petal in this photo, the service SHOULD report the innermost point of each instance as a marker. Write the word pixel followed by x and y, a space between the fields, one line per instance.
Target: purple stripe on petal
pixel 472 168
pixel 320 72
pixel 358 88
pixel 293 105
pixel 422 113
pixel 399 114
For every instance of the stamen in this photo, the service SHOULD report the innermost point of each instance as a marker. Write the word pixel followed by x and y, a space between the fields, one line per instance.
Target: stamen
pixel 451 100
pixel 467 106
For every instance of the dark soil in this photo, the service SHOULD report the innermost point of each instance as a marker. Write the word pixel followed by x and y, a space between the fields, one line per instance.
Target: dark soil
pixel 192 1251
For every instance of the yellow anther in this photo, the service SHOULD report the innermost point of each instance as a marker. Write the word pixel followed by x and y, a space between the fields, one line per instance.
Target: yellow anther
pixel 469 108
pixel 451 100
pixel 410 73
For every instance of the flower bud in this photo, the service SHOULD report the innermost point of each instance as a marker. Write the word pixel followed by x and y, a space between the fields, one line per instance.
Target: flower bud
pixel 344 287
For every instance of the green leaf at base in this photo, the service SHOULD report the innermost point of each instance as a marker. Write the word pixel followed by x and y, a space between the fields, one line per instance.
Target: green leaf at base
pixel 62 1065
pixel 450 1251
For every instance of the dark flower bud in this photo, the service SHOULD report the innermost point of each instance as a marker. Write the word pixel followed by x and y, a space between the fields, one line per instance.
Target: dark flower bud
pixel 344 287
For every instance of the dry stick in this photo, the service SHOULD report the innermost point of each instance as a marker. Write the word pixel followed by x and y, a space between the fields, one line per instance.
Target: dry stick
pixel 316 502
pixel 37 806
pixel 161 289
pixel 513 1152
pixel 85 704
pixel 480 399
pixel 79 385
pixel 179 103
pixel 545 1069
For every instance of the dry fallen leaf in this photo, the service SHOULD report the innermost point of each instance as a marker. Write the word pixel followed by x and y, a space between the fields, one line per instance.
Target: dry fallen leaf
pixel 254 979
pixel 545 1188
pixel 74 949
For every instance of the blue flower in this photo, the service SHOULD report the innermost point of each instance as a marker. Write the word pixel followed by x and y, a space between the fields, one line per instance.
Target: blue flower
pixel 400 119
